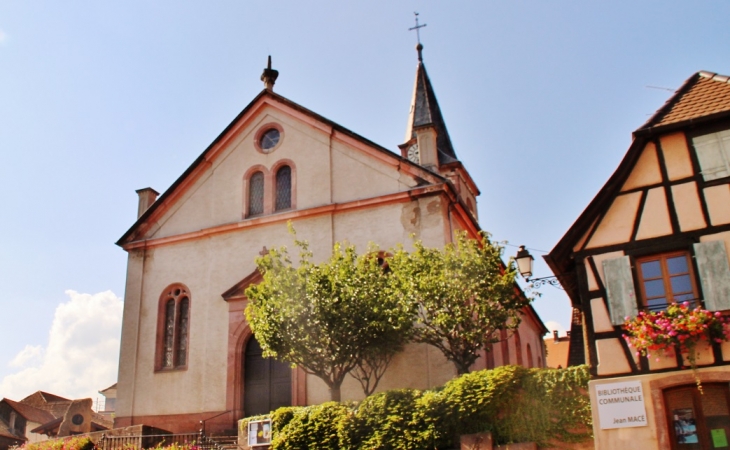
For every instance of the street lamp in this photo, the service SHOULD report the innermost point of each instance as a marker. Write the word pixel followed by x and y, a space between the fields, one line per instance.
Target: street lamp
pixel 524 266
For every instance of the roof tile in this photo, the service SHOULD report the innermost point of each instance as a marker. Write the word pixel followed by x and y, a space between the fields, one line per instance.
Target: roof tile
pixel 31 413
pixel 704 94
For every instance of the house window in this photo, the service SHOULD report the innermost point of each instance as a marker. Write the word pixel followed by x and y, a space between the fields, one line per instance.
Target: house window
pixel 173 328
pixel 283 188
pixel 713 152
pixel 256 194
pixel 666 278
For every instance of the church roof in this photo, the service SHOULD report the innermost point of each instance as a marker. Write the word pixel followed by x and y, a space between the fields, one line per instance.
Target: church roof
pixel 129 235
pixel 425 111
pixel 704 97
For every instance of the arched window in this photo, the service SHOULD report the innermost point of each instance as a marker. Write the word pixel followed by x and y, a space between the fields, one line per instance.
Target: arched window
pixel 256 194
pixel 505 347
pixel 173 328
pixel 518 348
pixel 283 188
pixel 529 356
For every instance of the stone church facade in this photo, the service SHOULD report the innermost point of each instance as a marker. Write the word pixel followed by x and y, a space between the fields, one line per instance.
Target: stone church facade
pixel 187 353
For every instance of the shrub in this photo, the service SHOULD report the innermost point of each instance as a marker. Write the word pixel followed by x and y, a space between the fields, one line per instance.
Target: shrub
pixel 515 404
pixel 70 443
pixel 309 427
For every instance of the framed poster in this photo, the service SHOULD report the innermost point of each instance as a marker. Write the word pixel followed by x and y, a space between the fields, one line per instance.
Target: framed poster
pixel 259 433
pixel 685 426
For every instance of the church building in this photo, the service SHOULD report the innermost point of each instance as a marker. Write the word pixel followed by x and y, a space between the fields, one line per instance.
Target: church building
pixel 187 354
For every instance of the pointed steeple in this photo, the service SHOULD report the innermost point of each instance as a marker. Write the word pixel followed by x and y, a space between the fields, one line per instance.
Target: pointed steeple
pixel 425 113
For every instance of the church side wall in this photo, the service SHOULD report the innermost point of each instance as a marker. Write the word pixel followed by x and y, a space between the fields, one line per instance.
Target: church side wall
pixel 130 328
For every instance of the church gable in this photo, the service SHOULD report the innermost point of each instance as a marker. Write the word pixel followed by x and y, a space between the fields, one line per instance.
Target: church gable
pixel 276 157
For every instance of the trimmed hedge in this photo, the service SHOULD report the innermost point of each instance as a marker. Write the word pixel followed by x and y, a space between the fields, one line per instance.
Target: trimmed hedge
pixel 70 443
pixel 514 403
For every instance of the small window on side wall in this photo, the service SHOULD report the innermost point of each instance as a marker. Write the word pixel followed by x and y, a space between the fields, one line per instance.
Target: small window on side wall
pixel 666 278
pixel 713 152
pixel 173 328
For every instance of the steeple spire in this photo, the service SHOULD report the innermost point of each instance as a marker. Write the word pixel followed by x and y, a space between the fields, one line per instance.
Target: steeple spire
pixel 425 113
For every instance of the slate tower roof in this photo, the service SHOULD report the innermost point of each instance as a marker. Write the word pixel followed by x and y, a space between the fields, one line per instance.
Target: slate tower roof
pixel 425 112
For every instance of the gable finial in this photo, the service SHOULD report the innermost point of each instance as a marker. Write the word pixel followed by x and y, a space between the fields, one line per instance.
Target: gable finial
pixel 419 46
pixel 269 76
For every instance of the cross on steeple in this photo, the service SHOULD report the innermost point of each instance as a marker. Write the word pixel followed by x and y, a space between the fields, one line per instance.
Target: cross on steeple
pixel 419 47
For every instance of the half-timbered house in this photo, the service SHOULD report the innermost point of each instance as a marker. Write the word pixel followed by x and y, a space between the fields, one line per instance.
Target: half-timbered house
pixel 658 232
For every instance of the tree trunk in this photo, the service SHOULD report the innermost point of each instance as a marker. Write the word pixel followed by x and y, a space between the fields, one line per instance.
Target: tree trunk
pixel 335 393
pixel 461 369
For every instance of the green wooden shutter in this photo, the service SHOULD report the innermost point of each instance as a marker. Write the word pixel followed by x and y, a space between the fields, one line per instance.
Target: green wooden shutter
pixel 714 271
pixel 620 289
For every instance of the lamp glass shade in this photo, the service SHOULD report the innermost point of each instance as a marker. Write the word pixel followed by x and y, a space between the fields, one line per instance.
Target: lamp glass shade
pixel 524 262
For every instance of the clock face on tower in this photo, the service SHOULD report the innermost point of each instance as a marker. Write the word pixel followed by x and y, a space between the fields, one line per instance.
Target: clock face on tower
pixel 413 153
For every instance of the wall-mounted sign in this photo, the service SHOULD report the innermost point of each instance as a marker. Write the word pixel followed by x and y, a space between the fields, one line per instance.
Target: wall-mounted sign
pixel 621 405
pixel 259 433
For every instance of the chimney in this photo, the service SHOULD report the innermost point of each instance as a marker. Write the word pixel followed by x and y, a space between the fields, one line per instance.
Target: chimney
pixel 555 336
pixel 147 197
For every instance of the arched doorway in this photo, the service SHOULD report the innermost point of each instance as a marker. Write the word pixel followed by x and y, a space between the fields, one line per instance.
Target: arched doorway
pixel 267 382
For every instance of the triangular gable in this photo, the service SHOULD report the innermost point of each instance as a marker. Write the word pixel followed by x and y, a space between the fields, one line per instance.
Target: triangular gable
pixel 202 163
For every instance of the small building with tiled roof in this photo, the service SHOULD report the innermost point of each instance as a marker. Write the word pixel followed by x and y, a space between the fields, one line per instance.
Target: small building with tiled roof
pixel 657 234
pixel 41 415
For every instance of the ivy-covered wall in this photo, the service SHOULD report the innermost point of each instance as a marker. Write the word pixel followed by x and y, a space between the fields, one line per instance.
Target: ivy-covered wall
pixel 515 404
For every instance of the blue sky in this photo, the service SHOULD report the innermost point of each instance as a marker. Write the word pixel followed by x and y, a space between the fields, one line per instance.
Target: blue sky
pixel 98 99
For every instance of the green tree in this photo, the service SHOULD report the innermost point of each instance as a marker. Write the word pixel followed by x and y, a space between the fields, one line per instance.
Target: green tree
pixel 331 319
pixel 465 295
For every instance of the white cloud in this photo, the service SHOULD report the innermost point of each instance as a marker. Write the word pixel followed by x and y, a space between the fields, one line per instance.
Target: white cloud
pixel 31 354
pixel 82 354
pixel 552 326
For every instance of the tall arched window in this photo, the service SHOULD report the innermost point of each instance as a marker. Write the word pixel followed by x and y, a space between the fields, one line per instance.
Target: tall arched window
pixel 283 188
pixel 518 348
pixel 529 356
pixel 505 347
pixel 256 194
pixel 173 328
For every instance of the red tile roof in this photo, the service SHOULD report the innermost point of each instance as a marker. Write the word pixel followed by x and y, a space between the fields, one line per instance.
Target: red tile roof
pixel 40 398
pixel 703 94
pixel 31 413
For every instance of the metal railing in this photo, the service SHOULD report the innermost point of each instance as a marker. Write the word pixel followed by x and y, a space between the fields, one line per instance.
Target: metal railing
pixel 139 442
pixel 656 307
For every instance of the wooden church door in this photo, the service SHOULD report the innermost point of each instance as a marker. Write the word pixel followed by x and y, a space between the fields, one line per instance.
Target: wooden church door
pixel 267 382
